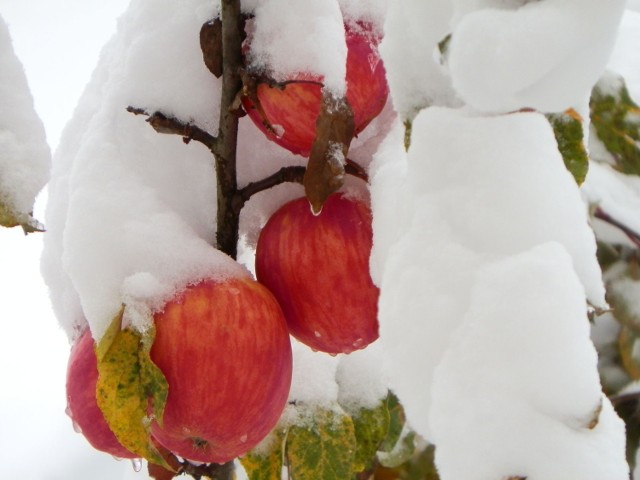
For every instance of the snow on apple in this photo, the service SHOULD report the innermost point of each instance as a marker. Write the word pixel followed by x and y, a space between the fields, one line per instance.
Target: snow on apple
pixel 287 112
pixel 482 248
pixel 24 153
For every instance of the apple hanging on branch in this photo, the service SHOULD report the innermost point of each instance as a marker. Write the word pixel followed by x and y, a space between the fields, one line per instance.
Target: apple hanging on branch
pixel 223 349
pixel 287 111
pixel 82 405
pixel 317 266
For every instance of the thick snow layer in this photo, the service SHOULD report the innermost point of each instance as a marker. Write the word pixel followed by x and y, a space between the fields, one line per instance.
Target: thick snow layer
pixel 361 380
pixel 131 215
pixel 626 54
pixel 518 390
pixel 544 55
pixel 127 205
pixel 413 29
pixel 24 154
pixel 476 190
pixel 310 29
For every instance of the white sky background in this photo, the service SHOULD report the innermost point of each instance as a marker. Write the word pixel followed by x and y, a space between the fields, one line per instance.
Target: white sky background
pixel 58 42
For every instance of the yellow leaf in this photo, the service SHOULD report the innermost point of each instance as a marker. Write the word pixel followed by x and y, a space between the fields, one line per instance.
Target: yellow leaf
pixel 127 382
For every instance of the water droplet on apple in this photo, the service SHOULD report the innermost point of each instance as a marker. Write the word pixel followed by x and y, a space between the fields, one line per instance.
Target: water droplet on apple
pixel 137 464
pixel 243 438
pixel 76 427
pixel 317 334
pixel 278 130
pixel 359 343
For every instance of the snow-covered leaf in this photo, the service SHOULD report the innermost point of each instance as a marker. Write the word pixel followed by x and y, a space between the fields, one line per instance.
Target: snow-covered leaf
pixel 265 462
pixel 419 467
pixel 323 449
pixel 569 133
pixel 10 219
pixel 371 427
pixel 616 119
pixel 335 128
pixel 399 444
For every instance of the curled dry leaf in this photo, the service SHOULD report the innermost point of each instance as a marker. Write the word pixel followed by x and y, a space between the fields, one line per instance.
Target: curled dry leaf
pixel 335 128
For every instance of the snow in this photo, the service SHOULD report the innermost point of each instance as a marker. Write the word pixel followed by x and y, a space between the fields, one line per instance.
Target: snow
pixel 24 154
pixel 463 215
pixel 361 380
pixel 534 379
pixel 153 226
pixel 314 28
pixel 417 79
pixel 616 193
pixel 482 245
pixel 544 55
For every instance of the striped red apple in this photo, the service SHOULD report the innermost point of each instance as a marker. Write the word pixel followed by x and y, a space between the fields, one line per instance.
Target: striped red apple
pixel 317 266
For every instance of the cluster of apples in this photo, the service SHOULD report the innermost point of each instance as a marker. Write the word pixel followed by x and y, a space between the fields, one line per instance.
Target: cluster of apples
pixel 223 345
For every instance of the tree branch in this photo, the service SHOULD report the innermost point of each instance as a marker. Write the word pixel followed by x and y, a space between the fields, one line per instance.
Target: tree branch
pixel 166 124
pixel 228 216
pixel 605 217
pixel 293 174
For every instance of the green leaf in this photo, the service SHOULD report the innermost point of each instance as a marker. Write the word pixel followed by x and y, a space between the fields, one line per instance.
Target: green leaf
pixel 569 133
pixel 324 449
pixel 399 444
pixel 408 129
pixel 397 420
pixel 127 379
pixel 265 462
pixel 420 466
pixel 371 426
pixel 616 120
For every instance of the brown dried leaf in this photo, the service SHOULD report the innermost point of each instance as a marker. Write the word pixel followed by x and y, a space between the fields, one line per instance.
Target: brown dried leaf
pixel 335 128
pixel 211 45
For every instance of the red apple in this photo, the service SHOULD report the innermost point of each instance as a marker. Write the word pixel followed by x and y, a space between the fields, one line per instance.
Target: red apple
pixel 291 110
pixel 225 351
pixel 318 269
pixel 82 378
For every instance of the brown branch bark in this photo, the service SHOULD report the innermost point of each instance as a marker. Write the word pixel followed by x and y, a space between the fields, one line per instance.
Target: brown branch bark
pixel 228 217
pixel 293 174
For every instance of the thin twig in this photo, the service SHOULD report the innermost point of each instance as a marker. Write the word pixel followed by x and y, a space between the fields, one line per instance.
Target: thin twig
pixel 629 232
pixel 293 174
pixel 167 124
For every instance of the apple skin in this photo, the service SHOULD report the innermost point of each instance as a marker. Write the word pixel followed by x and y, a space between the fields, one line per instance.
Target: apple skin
pixel 82 379
pixel 225 351
pixel 294 109
pixel 318 269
